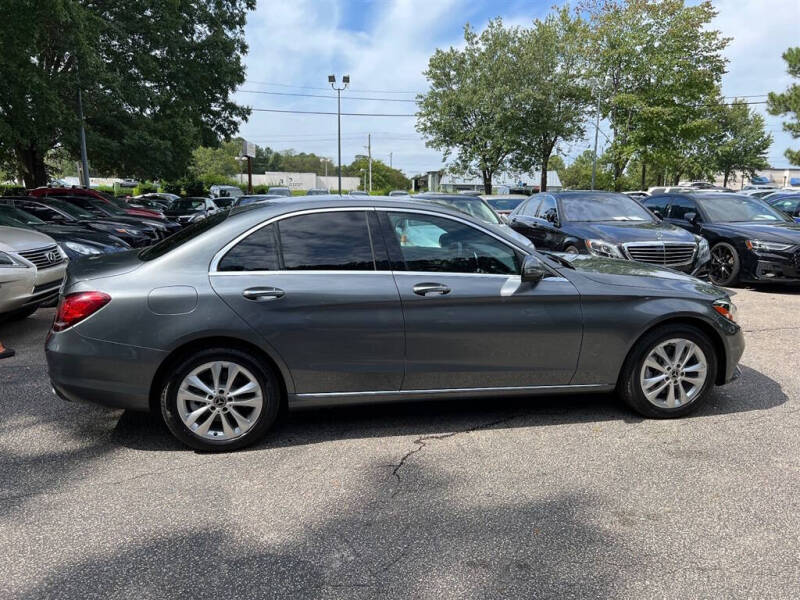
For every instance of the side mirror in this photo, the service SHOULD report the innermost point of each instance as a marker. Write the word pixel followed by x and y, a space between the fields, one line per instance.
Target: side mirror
pixel 533 270
pixel 691 217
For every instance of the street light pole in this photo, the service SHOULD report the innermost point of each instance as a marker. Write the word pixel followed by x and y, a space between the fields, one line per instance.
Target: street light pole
pixel 596 131
pixel 346 82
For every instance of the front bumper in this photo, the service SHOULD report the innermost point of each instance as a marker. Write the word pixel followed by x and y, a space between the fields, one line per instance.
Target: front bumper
pixel 771 267
pixel 20 288
pixel 733 343
pixel 84 369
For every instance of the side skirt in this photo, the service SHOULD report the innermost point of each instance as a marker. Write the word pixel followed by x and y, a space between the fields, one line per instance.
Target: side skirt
pixel 344 398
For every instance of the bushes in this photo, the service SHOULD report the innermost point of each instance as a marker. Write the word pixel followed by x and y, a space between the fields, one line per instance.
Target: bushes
pixel 11 190
pixel 171 187
pixel 144 188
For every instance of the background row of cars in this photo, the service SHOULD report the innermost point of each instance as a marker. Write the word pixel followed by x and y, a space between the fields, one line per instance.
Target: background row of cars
pixel 730 237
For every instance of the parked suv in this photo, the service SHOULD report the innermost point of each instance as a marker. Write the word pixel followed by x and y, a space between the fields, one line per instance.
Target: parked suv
pixel 32 269
pixel 607 224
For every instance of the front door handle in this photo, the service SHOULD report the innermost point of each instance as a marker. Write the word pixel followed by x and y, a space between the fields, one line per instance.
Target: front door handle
pixel 425 289
pixel 259 294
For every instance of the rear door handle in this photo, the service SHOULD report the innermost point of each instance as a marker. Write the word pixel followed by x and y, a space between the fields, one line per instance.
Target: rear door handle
pixel 259 294
pixel 432 289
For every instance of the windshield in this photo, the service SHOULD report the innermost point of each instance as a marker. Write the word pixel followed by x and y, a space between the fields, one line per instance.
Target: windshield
pixel 187 204
pixel 109 207
pixel 504 204
pixel 72 210
pixel 11 213
pixel 587 208
pixel 739 209
pixel 472 206
pixel 181 237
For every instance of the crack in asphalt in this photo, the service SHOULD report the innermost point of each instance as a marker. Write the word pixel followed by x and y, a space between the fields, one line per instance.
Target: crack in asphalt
pixel 421 442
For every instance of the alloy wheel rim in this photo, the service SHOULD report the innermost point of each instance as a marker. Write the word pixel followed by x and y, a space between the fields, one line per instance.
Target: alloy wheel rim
pixel 220 400
pixel 722 262
pixel 674 373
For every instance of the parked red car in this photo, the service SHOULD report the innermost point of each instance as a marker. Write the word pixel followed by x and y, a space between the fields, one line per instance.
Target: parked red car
pixel 80 191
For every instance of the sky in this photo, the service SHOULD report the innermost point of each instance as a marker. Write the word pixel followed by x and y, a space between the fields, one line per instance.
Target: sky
pixel 385 45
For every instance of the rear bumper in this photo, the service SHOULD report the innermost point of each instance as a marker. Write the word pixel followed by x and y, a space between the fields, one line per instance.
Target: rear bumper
pixel 88 370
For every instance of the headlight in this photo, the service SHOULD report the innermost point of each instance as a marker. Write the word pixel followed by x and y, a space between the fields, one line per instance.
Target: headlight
pixel 703 251
pixel 726 308
pixel 603 248
pixel 759 245
pixel 79 248
pixel 6 260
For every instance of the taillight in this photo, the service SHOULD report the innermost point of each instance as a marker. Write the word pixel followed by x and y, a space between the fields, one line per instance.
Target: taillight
pixel 74 308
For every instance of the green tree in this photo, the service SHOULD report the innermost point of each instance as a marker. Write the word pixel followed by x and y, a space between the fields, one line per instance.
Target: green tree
pixel 557 164
pixel 744 142
pixel 552 96
pixel 788 103
pixel 384 177
pixel 656 64
pixel 156 77
pixel 578 175
pixel 468 111
pixel 214 164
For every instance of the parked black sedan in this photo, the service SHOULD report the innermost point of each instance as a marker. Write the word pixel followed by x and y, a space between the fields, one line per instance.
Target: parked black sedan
pixel 788 202
pixel 75 240
pixel 191 210
pixel 750 241
pixel 108 210
pixel 52 210
pixel 610 225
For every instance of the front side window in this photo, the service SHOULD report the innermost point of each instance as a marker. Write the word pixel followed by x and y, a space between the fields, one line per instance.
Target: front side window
pixel 548 210
pixel 680 207
pixel 327 241
pixel 531 207
pixel 657 204
pixel 788 206
pixel 436 244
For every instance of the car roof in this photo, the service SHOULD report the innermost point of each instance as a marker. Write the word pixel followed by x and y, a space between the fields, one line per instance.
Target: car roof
pixel 584 194
pixel 504 196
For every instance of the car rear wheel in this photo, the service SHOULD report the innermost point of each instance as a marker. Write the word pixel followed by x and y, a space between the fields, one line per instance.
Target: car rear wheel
pixel 725 265
pixel 571 250
pixel 669 373
pixel 220 399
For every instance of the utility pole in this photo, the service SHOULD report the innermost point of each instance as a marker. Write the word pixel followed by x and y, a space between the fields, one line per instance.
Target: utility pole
pixel 346 82
pixel 84 158
pixel 369 155
pixel 596 132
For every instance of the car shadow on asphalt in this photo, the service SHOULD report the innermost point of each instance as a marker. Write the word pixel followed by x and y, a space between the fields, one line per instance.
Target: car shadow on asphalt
pixel 754 391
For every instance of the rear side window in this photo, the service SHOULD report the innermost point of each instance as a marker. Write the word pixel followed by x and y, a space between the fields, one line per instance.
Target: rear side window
pixel 257 252
pixel 327 241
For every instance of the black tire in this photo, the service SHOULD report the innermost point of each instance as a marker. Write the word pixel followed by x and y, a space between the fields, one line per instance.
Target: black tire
pixel 629 386
pixel 723 270
pixel 571 249
pixel 269 388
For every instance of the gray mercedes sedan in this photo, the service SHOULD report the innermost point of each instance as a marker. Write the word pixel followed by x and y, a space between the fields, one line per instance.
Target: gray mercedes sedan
pixel 366 299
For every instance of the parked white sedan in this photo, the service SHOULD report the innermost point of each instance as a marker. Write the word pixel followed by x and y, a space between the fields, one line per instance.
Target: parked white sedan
pixel 32 267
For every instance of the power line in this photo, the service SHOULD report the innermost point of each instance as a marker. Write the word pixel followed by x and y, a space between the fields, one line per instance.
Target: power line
pixel 324 96
pixel 303 87
pixel 319 112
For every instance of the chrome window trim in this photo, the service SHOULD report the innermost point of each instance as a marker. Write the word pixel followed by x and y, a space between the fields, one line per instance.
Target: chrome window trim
pixel 220 253
pixel 450 390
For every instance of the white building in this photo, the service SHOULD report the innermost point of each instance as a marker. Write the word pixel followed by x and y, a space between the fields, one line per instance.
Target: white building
pixel 442 181
pixel 301 181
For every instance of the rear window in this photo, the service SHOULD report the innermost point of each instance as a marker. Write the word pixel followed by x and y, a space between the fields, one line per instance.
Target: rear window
pixel 181 237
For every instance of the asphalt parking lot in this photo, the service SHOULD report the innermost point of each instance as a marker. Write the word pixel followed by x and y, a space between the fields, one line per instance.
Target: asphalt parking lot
pixel 545 497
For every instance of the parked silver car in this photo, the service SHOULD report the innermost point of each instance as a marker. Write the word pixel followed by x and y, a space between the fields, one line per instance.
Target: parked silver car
pixel 338 300
pixel 32 268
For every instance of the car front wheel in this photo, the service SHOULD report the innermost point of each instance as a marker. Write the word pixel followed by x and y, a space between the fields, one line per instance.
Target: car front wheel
pixel 220 399
pixel 725 265
pixel 669 373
